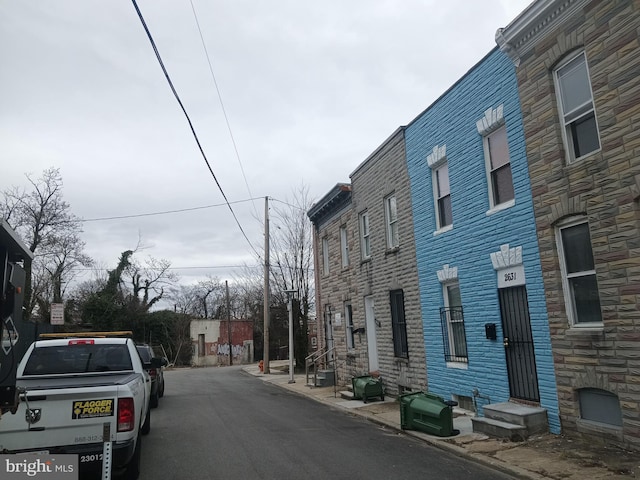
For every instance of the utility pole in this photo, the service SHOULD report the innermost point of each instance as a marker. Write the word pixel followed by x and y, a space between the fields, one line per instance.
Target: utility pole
pixel 226 283
pixel 265 354
pixel 290 295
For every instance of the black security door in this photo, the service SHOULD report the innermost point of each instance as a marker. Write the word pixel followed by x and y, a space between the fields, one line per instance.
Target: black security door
pixel 518 344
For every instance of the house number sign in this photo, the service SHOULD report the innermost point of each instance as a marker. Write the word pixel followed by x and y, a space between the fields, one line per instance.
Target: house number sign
pixel 511 277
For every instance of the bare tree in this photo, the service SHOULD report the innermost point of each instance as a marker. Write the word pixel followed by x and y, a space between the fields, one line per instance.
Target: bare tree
pixel 148 281
pixel 292 249
pixel 292 268
pixel 44 221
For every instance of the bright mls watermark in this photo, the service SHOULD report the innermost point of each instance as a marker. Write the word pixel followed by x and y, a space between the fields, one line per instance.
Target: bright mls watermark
pixel 38 466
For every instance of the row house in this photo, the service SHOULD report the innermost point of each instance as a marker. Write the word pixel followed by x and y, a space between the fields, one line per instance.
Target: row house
pixel 333 245
pixel 577 65
pixel 484 315
pixel 367 273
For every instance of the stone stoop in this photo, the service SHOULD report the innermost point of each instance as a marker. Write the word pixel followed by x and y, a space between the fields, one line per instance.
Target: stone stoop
pixel 325 378
pixel 511 421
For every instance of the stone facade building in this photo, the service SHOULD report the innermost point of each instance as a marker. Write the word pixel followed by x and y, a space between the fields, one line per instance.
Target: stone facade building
pixel 334 234
pixel 577 68
pixel 388 301
pixel 366 271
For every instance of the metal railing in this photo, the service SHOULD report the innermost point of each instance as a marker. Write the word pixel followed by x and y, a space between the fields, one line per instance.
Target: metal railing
pixel 313 359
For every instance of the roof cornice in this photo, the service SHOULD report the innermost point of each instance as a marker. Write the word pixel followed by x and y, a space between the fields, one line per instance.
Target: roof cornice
pixel 533 25
pixel 334 199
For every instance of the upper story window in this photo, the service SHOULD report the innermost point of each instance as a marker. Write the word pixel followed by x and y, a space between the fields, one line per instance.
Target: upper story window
pixel 444 214
pixel 365 240
pixel 344 246
pixel 325 256
pixel 500 180
pixel 578 274
pixel 577 112
pixel 391 217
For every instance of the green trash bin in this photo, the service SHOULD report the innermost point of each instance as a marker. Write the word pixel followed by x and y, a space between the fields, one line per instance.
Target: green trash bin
pixel 366 387
pixel 427 413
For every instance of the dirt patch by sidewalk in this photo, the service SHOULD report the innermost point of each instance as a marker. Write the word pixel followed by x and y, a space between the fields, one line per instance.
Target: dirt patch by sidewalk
pixel 562 458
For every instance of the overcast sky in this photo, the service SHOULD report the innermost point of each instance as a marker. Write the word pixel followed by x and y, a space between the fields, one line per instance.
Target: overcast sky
pixel 310 90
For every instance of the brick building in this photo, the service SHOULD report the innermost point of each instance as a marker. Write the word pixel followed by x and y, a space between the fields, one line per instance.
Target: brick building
pixel 577 69
pixel 483 307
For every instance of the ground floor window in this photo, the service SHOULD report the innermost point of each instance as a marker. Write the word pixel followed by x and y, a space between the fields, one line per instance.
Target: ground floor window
pixel 600 406
pixel 399 324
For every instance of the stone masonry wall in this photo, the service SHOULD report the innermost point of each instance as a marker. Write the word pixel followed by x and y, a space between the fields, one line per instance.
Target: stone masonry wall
pixel 606 187
pixel 384 173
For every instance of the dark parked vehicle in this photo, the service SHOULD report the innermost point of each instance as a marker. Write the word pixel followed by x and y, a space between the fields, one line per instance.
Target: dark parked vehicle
pixel 156 374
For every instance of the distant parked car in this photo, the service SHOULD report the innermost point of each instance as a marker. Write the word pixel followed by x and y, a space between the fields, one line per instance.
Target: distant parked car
pixel 156 374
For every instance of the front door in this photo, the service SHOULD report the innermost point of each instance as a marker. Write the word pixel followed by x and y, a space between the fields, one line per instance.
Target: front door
pixel 328 324
pixel 518 344
pixel 372 341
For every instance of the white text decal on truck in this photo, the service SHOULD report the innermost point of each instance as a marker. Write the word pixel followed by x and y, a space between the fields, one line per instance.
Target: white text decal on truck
pixel 92 408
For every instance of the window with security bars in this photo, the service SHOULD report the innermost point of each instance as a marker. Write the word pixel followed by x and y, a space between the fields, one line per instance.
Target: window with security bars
pixel 399 324
pixel 348 311
pixel 452 320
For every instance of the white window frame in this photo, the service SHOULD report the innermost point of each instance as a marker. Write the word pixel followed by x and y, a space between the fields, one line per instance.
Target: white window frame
pixel 437 197
pixel 365 235
pixel 568 118
pixel 490 183
pixel 566 285
pixel 391 220
pixel 344 246
pixel 456 358
pixel 325 256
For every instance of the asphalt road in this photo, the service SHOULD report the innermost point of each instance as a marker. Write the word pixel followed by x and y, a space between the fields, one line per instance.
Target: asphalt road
pixel 221 423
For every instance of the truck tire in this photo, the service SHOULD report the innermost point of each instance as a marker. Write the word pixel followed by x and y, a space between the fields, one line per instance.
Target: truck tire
pixel 146 427
pixel 132 471
pixel 153 401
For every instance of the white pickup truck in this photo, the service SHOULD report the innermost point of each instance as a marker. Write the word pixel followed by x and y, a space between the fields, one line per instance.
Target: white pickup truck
pixel 73 390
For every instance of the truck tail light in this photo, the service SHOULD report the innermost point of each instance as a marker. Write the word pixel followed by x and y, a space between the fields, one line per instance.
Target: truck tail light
pixel 126 414
pixel 82 342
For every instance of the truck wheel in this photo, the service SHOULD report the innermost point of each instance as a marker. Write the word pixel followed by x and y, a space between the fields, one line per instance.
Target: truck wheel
pixel 146 428
pixel 132 471
pixel 153 401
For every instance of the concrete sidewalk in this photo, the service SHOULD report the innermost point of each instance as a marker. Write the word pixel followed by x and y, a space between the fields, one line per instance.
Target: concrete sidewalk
pixel 542 456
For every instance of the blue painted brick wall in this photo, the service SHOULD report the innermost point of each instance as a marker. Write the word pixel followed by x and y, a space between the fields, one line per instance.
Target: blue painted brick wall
pixel 451 120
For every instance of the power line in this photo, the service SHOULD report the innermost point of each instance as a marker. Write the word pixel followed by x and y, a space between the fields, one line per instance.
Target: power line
pixel 210 267
pixel 165 212
pixel 195 136
pixel 285 203
pixel 224 111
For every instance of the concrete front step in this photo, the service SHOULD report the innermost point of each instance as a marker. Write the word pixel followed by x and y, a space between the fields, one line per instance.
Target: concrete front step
pixel 346 394
pixel 499 429
pixel 534 419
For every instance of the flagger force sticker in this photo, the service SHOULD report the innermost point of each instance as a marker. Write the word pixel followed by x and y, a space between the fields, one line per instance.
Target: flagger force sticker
pixel 92 408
